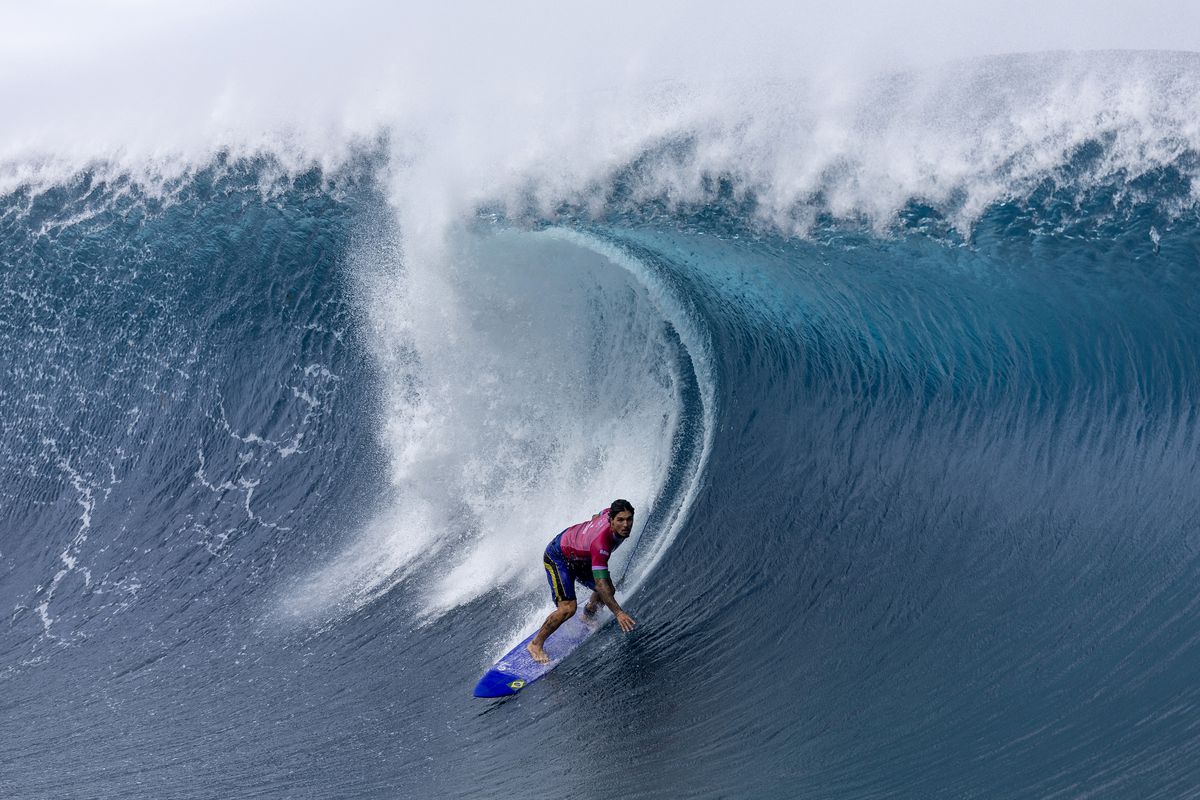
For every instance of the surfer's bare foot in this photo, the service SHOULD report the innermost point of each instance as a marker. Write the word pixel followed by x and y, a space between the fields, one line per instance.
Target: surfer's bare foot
pixel 539 655
pixel 591 608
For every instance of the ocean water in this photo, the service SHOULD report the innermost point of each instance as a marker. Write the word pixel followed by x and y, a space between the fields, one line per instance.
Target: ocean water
pixel 901 378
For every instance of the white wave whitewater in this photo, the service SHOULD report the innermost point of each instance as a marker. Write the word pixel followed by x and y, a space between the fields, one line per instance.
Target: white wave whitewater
pixel 527 377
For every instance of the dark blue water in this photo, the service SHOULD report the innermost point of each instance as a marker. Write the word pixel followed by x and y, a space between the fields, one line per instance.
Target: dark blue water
pixel 921 520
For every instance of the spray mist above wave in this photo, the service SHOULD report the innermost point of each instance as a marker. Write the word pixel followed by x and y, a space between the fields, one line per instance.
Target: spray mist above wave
pixel 955 140
pixel 792 140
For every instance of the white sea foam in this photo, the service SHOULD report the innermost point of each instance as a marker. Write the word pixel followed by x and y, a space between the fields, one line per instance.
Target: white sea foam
pixel 86 498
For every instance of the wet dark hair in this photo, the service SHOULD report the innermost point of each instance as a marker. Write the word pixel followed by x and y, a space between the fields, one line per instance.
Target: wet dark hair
pixel 618 506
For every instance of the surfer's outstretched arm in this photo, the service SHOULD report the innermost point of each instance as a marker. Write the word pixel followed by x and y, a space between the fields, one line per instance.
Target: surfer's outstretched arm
pixel 608 596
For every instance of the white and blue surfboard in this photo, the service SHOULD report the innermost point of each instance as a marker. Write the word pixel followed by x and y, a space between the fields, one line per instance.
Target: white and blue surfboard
pixel 516 669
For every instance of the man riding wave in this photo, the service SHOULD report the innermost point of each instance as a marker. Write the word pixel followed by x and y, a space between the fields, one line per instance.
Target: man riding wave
pixel 581 553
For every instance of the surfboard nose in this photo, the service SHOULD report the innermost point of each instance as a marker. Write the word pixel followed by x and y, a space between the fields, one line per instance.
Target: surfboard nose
pixel 498 684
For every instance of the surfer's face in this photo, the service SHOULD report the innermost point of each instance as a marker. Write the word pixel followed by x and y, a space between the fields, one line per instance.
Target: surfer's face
pixel 622 523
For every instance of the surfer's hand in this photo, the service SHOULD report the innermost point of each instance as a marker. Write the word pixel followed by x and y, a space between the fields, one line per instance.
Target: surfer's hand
pixel 625 621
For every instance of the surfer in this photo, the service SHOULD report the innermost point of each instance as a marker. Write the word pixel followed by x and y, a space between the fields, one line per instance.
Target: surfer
pixel 580 553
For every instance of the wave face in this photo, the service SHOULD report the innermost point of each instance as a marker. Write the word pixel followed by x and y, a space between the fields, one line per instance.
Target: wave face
pixel 910 426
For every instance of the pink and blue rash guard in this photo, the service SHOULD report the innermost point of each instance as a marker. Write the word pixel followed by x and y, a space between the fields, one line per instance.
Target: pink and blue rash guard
pixel 580 553
pixel 591 543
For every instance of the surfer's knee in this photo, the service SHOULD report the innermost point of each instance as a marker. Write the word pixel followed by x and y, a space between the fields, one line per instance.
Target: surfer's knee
pixel 567 608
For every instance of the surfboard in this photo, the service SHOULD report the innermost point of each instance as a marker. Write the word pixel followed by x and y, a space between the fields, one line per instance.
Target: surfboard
pixel 516 669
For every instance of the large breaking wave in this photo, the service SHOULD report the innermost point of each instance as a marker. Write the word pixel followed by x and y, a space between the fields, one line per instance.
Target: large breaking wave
pixel 900 372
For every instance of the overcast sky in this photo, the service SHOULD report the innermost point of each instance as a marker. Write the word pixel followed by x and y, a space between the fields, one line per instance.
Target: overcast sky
pixel 688 33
